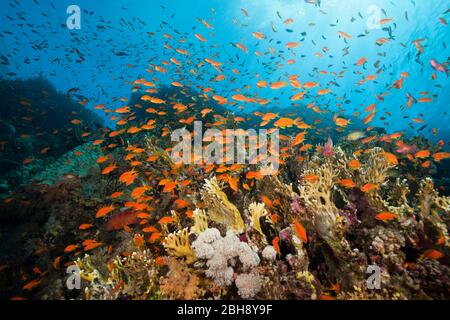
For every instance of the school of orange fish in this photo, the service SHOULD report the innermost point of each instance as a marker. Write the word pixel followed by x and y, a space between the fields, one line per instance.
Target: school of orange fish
pixel 135 152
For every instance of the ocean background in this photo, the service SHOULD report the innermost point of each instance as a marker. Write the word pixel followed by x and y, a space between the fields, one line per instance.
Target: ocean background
pixel 116 48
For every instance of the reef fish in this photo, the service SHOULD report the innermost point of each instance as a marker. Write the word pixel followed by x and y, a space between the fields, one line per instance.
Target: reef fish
pixel 122 219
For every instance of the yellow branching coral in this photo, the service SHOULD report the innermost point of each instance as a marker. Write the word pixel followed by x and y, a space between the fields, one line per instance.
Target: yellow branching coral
pixel 257 210
pixel 99 287
pixel 376 168
pixel 220 209
pixel 431 204
pixel 178 245
pixel 87 270
pixel 376 171
pixel 317 198
pixel 397 198
pixel 200 221
pixel 429 198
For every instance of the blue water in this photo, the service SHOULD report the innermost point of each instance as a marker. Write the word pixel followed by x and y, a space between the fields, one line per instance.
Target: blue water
pixel 37 42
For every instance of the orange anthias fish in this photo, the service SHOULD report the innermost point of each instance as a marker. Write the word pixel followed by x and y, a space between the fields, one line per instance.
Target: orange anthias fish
pixel 284 122
pixel 341 122
pixel 441 155
pixel 70 248
pixel 109 169
pixel 354 164
pixel 347 183
pixel 276 245
pixel 234 183
pixel 85 226
pixel 310 85
pixel 32 284
pixel 128 177
pixel 104 211
pixel 200 37
pixel 422 154
pixel 386 216
pixel 344 35
pixel 259 35
pixel 361 61
pixel 139 191
pixel 391 158
pixel 432 254
pixel 166 220
pixel 169 186
pixel 311 178
pixel 298 139
pixel 278 85
pixel 300 231
pixel 90 244
pixel 368 187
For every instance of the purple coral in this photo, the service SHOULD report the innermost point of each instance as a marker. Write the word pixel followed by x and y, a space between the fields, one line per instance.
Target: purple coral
pixel 295 205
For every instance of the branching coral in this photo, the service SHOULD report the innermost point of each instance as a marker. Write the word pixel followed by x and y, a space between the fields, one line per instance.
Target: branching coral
pixel 139 273
pixel 220 209
pixel 316 191
pixel 430 201
pixel 431 205
pixel 376 172
pixel 398 198
pixel 376 167
pixel 317 198
pixel 200 221
pixel 178 245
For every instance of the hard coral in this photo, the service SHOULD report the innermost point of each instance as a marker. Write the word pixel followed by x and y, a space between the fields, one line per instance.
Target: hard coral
pixel 220 209
pixel 178 245
pixel 317 198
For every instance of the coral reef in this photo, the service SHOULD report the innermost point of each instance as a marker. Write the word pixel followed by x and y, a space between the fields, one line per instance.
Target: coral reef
pixel 38 125
pixel 139 226
pixel 134 277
